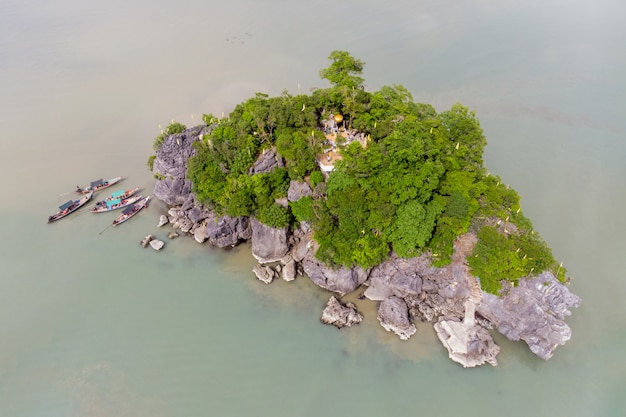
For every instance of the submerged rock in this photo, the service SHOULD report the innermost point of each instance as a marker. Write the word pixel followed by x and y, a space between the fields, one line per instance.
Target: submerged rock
pixel 340 315
pixel 146 241
pixel 157 244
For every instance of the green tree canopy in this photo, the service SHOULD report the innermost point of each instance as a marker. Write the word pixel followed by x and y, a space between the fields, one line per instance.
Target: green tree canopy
pixel 344 70
pixel 412 184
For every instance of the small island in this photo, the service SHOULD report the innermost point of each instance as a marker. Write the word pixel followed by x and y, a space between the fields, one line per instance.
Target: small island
pixel 371 192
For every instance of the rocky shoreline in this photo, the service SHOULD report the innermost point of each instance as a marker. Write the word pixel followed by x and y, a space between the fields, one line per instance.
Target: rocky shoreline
pixel 407 291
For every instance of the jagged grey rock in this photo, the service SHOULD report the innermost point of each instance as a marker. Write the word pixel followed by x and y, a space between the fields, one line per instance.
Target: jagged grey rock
pixel 266 162
pixel 393 315
pixel 468 343
pixel 228 231
pixel 269 244
pixel 534 312
pixel 197 213
pixel 289 271
pixel 340 315
pixel 200 233
pixel 264 273
pixel 170 165
pixel 163 220
pixel 184 224
pixel 146 241
pixel 172 235
pixel 341 280
pixel 302 247
pixel 297 190
pixel 396 276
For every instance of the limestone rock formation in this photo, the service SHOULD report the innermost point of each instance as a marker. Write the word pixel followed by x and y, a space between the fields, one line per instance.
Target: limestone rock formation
pixel 265 274
pixel 220 231
pixel 266 162
pixel 341 280
pixel 534 312
pixel 396 276
pixel 468 343
pixel 289 270
pixel 297 190
pixel 408 289
pixel 340 315
pixel 393 315
pixel 170 165
pixel 268 243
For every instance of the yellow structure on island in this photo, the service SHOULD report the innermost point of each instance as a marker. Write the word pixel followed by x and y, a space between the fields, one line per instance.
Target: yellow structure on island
pixel 326 160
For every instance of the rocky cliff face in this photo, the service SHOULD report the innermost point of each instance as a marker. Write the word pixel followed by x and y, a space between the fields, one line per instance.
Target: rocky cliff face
pixel 268 243
pixel 170 165
pixel 408 291
pixel 534 312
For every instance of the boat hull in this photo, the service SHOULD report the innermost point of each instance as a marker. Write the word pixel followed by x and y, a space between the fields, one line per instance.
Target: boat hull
pixel 102 207
pixel 75 205
pixel 98 187
pixel 132 210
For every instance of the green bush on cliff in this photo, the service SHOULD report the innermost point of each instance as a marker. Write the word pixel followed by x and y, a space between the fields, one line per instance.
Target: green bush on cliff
pixel 303 209
pixel 171 129
pixel 150 162
pixel 275 215
pixel 412 184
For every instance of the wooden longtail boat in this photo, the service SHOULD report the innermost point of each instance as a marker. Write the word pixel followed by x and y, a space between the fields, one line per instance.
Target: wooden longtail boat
pixel 130 211
pixel 70 207
pixel 114 204
pixel 98 185
pixel 122 194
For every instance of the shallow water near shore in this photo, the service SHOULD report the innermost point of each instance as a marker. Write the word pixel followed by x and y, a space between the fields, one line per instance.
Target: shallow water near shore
pixel 92 324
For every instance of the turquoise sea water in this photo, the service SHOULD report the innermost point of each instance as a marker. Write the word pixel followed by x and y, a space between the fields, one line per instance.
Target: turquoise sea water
pixel 91 324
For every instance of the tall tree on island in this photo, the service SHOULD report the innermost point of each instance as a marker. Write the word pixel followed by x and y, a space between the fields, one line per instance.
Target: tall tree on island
pixel 347 94
pixel 344 70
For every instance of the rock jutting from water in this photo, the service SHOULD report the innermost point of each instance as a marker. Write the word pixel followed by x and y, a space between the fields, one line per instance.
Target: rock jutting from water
pixel 407 291
pixel 340 315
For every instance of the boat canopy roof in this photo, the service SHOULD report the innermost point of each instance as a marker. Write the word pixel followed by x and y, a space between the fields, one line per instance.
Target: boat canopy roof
pixel 129 210
pixel 113 202
pixel 66 205
pixel 96 182
pixel 118 193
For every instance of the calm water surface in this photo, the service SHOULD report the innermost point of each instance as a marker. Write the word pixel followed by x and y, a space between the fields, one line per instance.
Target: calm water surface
pixel 91 324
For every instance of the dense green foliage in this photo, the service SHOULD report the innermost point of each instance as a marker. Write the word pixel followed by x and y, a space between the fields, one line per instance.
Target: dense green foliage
pixel 414 186
pixel 344 71
pixel 499 256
